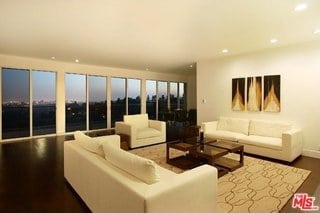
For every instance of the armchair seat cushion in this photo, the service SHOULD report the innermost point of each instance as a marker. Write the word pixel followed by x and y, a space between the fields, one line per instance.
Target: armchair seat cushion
pixel 147 133
pixel 224 135
pixel 262 141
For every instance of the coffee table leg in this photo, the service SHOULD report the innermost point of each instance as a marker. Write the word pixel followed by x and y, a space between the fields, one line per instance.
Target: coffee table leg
pixel 241 156
pixel 167 153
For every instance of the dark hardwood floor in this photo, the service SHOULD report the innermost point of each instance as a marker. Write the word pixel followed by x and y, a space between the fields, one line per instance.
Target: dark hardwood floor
pixel 31 178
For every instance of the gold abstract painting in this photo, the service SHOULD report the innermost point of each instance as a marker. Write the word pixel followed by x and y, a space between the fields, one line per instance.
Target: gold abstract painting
pixel 238 85
pixel 254 93
pixel 271 93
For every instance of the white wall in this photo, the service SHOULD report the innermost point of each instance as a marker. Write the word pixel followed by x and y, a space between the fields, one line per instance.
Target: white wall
pixel 61 68
pixel 299 67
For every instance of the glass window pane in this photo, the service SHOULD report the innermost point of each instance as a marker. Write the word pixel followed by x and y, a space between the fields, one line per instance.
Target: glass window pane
pixel 151 99
pixel 44 102
pixel 97 102
pixel 182 96
pixel 173 96
pixel 15 103
pixel 134 99
pixel 75 102
pixel 162 99
pixel 118 99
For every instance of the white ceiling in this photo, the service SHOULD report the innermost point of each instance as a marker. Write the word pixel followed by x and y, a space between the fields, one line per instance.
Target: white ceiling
pixel 162 35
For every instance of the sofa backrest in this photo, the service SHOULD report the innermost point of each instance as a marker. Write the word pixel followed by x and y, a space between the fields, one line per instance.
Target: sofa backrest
pixel 139 120
pixel 268 128
pixel 233 124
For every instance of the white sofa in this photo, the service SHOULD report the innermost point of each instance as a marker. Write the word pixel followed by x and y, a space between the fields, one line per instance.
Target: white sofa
pixel 116 182
pixel 141 130
pixel 272 139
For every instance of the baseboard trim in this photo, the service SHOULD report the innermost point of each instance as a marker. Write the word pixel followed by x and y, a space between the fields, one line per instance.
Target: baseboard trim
pixel 311 153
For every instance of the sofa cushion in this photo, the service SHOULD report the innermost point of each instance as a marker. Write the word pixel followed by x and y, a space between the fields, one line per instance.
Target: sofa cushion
pixel 268 128
pixel 147 133
pixel 224 135
pixel 261 141
pixel 140 121
pixel 88 143
pixel 233 125
pixel 142 168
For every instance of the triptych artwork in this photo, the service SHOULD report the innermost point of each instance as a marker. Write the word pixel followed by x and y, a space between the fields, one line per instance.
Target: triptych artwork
pixel 251 98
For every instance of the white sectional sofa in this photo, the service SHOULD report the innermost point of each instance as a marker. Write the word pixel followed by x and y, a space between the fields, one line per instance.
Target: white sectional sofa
pixel 109 179
pixel 272 139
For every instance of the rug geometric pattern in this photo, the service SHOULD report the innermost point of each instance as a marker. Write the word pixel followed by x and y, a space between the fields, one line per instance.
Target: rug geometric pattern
pixel 258 186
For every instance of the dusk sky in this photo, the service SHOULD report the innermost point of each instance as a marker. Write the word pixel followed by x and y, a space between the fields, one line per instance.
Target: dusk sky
pixel 43 86
pixel 97 89
pixel 15 86
pixel 75 87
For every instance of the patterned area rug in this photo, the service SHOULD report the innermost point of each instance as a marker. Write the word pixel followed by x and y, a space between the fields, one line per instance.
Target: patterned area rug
pixel 258 186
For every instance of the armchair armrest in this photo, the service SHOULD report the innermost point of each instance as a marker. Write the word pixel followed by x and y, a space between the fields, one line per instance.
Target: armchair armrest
pixel 123 128
pixel 209 127
pixel 114 140
pixel 158 125
pixel 198 185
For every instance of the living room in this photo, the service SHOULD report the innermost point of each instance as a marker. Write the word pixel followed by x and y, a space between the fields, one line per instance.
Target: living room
pixel 164 59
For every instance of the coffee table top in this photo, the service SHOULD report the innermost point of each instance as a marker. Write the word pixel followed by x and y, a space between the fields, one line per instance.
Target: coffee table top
pixel 210 151
pixel 229 145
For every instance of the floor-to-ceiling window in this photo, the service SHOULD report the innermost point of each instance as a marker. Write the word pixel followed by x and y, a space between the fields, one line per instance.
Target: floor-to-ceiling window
pixel 118 99
pixel 15 103
pixel 75 102
pixel 43 102
pixel 151 99
pixel 134 96
pixel 162 99
pixel 97 102
pixel 182 99
pixel 173 96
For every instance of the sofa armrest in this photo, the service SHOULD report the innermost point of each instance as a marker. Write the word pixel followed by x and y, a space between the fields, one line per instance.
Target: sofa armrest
pixel 192 191
pixel 209 127
pixel 123 128
pixel 292 138
pixel 112 139
pixel 158 125
pixel 292 143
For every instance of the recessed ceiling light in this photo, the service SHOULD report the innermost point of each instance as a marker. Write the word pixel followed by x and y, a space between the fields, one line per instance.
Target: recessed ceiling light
pixel 300 7
pixel 225 51
pixel 53 57
pixel 77 60
pixel 273 41
pixel 191 66
pixel 317 31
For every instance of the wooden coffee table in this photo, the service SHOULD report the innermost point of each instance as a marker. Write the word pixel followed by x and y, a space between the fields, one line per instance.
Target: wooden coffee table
pixel 231 147
pixel 186 161
pixel 208 151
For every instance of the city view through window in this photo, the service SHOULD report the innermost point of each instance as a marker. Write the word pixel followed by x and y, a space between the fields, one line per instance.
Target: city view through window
pixel 18 92
pixel 75 102
pixel 151 99
pixel 134 96
pixel 118 99
pixel 97 102
pixel 15 103
pixel 44 102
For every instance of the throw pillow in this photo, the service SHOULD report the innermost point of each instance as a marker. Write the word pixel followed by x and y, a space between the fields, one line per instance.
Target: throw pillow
pixel 142 168
pixel 88 143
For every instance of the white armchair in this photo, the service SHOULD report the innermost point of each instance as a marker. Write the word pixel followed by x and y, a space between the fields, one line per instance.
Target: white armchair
pixel 141 130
